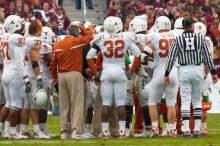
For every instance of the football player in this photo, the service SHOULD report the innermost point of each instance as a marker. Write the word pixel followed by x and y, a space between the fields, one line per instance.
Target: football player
pixel 113 46
pixel 2 96
pixel 199 27
pixel 139 28
pixel 33 47
pixel 49 39
pixel 12 47
pixel 160 43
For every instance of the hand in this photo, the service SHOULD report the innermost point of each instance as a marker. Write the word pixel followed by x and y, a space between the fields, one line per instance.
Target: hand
pixel 39 83
pixel 166 80
pixel 214 78
pixel 28 87
pixel 53 82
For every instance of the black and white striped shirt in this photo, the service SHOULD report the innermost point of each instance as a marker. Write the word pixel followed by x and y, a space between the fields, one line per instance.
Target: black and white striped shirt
pixel 191 49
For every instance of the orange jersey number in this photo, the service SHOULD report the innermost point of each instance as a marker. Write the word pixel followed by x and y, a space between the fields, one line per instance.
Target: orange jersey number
pixel 4 48
pixel 164 45
pixel 119 47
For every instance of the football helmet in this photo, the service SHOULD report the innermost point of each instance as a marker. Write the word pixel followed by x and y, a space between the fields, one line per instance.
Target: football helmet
pixel 199 27
pixel 113 25
pixel 48 36
pixel 76 23
pixel 13 23
pixel 163 23
pixel 40 97
pixel 137 25
pixel 178 23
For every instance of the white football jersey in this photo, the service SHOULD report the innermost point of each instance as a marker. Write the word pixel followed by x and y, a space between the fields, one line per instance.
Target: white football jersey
pixel 210 44
pixel 114 47
pixel 161 44
pixel 31 43
pixel 12 48
pixel 44 66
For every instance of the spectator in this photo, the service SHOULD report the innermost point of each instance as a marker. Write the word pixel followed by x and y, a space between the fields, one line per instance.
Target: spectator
pixel 150 15
pixel 68 63
pixel 25 10
pixel 115 7
pixel 46 13
pixel 11 10
pixel 62 19
pixel 30 16
pixel 2 16
pixel 55 27
pixel 19 5
pixel 36 6
pixel 53 5
pixel 89 3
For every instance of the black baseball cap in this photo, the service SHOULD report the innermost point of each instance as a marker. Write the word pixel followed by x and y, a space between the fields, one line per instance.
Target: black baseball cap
pixel 187 22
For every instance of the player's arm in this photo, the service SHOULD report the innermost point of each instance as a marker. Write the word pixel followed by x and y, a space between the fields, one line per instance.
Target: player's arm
pixel 91 58
pixel 208 57
pixel 137 56
pixel 171 58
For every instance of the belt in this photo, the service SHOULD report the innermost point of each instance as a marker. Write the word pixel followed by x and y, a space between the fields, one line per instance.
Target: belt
pixel 190 64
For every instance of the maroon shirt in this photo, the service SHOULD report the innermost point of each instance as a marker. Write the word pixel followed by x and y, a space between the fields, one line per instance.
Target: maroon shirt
pixel 217 66
pixel 64 20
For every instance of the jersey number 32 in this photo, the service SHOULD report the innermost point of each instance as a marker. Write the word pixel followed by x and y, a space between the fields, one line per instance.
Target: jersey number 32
pixel 117 52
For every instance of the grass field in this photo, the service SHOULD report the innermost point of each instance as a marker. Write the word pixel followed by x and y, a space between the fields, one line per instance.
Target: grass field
pixel 53 125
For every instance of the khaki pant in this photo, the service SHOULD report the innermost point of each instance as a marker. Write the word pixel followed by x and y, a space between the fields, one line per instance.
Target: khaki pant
pixel 71 92
pixel 113 117
pixel 86 98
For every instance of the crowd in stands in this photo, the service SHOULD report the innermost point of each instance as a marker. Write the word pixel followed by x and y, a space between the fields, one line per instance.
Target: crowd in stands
pixel 206 11
pixel 49 12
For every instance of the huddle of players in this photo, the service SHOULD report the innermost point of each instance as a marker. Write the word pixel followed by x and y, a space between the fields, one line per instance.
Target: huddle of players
pixel 135 59
pixel 143 70
pixel 25 50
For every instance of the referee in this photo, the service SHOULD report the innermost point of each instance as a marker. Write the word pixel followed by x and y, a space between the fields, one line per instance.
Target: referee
pixel 192 52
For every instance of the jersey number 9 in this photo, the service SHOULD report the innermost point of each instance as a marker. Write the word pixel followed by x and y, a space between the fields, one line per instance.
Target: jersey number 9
pixel 164 45
pixel 119 46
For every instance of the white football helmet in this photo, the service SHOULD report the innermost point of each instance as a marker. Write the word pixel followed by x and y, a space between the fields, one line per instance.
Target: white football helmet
pixel 178 23
pixel 137 25
pixel 48 36
pixel 163 23
pixel 99 29
pixel 199 27
pixel 13 23
pixel 75 23
pixel 40 97
pixel 2 29
pixel 113 25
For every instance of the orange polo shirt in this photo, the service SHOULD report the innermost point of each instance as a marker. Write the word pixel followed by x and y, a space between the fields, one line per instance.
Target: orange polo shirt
pixel 67 54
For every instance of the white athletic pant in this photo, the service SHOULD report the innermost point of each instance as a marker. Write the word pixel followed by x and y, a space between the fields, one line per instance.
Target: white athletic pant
pixel 113 84
pixel 191 79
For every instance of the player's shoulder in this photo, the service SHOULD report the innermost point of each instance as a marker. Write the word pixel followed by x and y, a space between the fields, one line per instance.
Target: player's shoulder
pixel 16 39
pixel 33 41
pixel 128 36
pixel 5 37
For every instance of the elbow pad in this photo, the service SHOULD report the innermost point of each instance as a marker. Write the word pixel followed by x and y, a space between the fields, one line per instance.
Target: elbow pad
pixel 35 64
